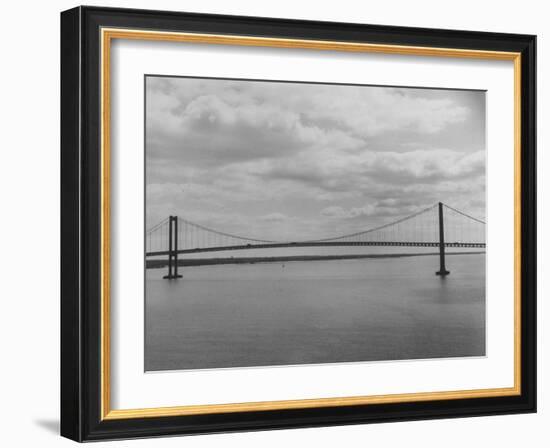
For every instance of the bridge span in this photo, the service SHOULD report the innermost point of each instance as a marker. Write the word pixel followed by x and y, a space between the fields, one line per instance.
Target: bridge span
pixel 428 227
pixel 315 244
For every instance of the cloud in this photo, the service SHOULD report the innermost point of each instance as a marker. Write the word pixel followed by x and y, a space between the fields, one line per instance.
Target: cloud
pixel 378 209
pixel 220 122
pixel 371 169
pixel 372 107
pixel 264 159
pixel 334 211
pixel 214 130
pixel 274 217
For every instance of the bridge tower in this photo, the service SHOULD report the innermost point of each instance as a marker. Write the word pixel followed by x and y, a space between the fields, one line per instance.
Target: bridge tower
pixel 442 271
pixel 172 248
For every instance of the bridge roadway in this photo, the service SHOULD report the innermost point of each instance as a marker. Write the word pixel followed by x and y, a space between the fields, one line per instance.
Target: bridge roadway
pixel 315 244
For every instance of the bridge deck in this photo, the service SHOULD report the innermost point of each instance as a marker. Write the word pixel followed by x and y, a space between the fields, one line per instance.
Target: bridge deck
pixel 316 244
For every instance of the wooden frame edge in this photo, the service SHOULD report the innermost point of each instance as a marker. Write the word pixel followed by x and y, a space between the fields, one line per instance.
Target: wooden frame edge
pixel 307 403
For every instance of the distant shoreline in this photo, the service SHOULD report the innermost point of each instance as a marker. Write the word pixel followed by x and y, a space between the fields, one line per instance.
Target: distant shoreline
pixel 156 264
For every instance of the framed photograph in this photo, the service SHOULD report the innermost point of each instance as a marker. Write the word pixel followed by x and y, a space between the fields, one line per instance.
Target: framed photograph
pixel 272 223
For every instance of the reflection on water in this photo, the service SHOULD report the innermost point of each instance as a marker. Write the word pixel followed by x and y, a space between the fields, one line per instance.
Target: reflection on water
pixel 315 312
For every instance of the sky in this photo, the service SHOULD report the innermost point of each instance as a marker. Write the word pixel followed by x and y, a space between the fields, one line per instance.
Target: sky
pixel 289 161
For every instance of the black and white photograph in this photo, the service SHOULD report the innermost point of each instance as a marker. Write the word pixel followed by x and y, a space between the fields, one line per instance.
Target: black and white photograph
pixel 293 223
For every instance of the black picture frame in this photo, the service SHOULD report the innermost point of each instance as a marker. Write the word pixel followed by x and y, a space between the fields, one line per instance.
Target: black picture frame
pixel 81 224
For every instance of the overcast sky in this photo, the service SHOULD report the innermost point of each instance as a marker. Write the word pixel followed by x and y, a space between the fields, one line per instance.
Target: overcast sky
pixel 297 161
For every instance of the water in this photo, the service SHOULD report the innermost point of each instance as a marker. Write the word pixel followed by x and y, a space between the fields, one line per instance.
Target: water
pixel 315 312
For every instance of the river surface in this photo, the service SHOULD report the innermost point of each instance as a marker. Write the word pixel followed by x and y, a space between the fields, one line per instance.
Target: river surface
pixel 267 314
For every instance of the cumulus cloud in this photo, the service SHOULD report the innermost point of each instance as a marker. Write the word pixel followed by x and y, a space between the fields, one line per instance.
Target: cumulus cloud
pixel 383 208
pixel 268 157
pixel 274 217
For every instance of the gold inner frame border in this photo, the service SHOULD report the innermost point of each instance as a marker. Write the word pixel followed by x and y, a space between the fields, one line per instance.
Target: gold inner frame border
pixel 107 35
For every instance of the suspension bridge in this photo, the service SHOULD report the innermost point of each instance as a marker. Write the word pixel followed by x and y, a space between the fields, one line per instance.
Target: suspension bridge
pixel 439 226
